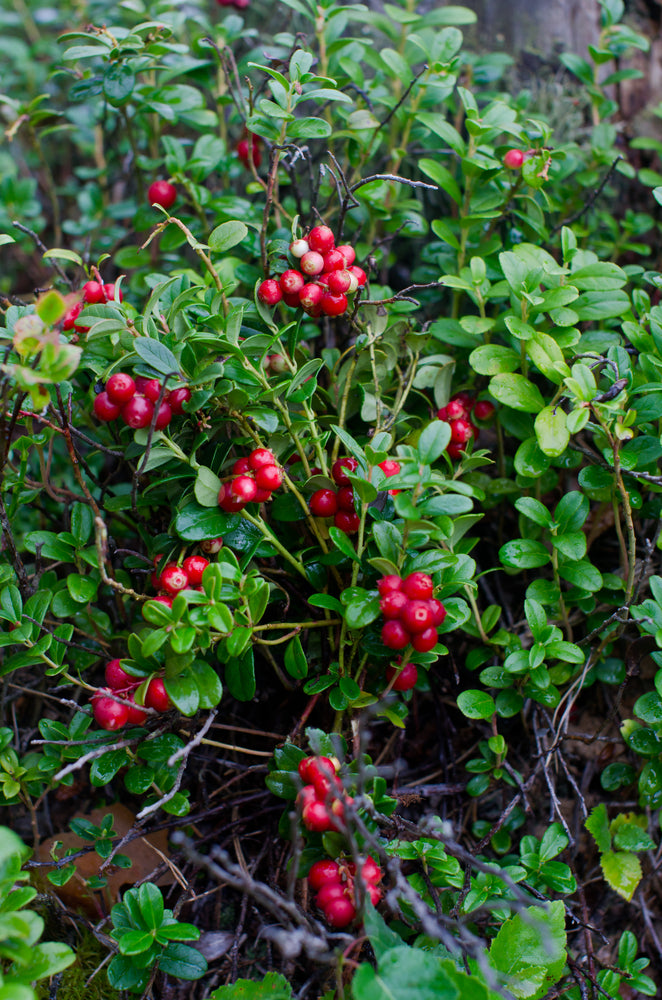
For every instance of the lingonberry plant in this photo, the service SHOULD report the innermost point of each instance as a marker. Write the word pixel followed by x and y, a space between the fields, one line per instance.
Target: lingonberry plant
pixel 331 461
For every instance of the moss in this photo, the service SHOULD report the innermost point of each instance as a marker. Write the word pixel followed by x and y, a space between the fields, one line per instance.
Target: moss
pixel 74 982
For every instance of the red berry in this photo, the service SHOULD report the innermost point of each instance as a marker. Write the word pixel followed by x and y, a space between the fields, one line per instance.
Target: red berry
pixel 261 456
pixel 243 488
pixel 393 604
pixel 228 502
pixel 334 260
pixel 483 409
pixel 390 467
pixel 455 410
pixel 315 817
pixel 211 545
pixel 138 412
pixel 338 467
pixel 348 252
pixel 262 495
pixel 389 583
pixel 156 696
pixel 243 146
pixel 299 247
pixel 417 616
pixel 112 293
pixel 70 317
pixel 269 477
pixel 346 498
pixel 323 872
pixel 291 282
pixel 149 387
pixel 173 579
pixel 312 263
pixel 334 305
pixel 120 388
pixel 405 676
pixel 161 599
pixel 394 635
pixel 163 416
pixel 117 678
pixel 442 414
pixel 108 713
pixel 349 523
pixel 425 641
pixel 340 912
pixel 374 893
pixel 194 567
pixel 339 282
pixel 438 611
pixel 104 408
pixel 370 870
pixel 454 450
pixel 329 891
pixel 461 431
pixel 418 586
pixel 465 398
pixel 137 715
pixel 323 503
pixel 513 159
pixel 310 766
pixel 93 292
pixel 269 292
pixel 306 796
pixel 310 297
pixel 241 466
pixel 291 300
pixel 359 274
pixel 321 238
pixel 178 397
pixel 327 785
pixel 162 193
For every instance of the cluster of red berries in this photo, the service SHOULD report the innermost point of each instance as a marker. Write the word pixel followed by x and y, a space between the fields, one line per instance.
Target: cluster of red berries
pixel 134 400
pixel 94 293
pixel 239 4
pixel 339 504
pixel 333 882
pixel 111 714
pixel 162 193
pixel 332 270
pixel 322 797
pixel 412 614
pixel 255 479
pixel 458 412
pixel 174 578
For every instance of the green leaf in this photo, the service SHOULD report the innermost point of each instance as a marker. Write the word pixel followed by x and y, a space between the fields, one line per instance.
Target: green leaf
pixel 309 128
pixel 118 83
pixel 433 441
pixel 524 553
pixel 156 355
pixel 476 704
pixel 81 588
pixel 274 986
pixel 491 359
pixel 597 825
pixel 135 942
pixel 240 676
pixel 182 961
pixel 183 692
pixel 517 392
pixel 553 842
pixel 195 522
pixel 630 837
pixel 552 431
pixel 105 768
pixel 227 235
pixel 296 663
pixel 342 542
pixel 360 613
pixel 622 870
pixel 535 511
pixel 207 487
pixel 150 902
pixel 530 950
